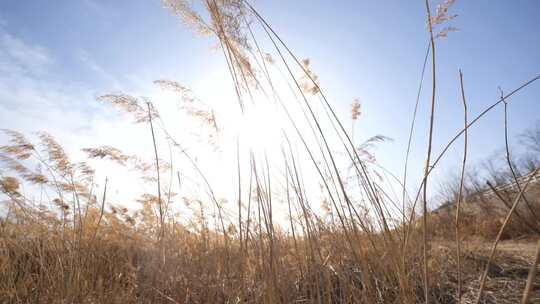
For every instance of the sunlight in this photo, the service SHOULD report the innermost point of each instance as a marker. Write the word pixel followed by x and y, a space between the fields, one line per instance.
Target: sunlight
pixel 258 127
pixel 169 174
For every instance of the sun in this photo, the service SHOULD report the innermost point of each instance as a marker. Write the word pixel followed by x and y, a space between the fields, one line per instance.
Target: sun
pixel 258 125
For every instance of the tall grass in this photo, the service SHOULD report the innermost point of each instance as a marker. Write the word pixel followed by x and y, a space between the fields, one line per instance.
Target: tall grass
pixel 72 246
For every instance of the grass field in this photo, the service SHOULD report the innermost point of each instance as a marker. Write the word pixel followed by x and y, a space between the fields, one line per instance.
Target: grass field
pixel 356 243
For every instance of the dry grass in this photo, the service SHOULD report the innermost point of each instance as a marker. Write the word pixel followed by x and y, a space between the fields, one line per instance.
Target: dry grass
pixel 73 246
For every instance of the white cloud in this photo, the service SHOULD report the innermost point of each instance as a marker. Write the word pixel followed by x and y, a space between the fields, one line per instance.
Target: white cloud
pixel 98 69
pixel 3 22
pixel 34 97
pixel 27 88
pixel 94 6
pixel 17 56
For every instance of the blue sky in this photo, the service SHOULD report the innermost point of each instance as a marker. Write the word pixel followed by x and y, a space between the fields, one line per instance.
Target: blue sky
pixel 56 57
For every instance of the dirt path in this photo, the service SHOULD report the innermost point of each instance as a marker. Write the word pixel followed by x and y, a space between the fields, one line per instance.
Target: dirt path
pixel 507 273
pixel 524 248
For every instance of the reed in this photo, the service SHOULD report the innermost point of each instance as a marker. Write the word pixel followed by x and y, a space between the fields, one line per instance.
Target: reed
pixel 361 246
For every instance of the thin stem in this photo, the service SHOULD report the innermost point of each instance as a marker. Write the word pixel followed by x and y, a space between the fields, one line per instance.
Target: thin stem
pixel 509 159
pixel 428 157
pixel 161 232
pixel 102 209
pixel 461 184
pixel 411 131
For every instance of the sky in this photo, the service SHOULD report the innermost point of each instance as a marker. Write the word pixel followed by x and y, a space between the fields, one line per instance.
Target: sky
pixel 56 57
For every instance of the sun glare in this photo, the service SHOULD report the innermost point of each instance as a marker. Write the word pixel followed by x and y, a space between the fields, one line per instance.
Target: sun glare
pixel 241 176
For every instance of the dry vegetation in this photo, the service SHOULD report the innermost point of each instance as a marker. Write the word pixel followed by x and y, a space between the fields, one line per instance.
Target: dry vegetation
pixel 72 246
